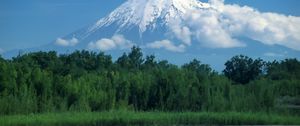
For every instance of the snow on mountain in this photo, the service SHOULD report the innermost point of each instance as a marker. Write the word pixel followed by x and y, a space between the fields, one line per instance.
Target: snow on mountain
pixel 145 13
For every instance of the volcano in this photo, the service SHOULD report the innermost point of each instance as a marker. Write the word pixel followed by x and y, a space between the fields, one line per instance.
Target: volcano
pixel 180 30
pixel 139 22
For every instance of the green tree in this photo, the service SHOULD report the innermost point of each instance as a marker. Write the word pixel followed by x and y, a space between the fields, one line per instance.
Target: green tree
pixel 90 81
pixel 1 59
pixel 242 69
pixel 123 61
pixel 135 57
pixel 150 62
pixel 286 69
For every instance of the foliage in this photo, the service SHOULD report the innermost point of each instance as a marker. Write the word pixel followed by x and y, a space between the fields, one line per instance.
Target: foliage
pixel 242 69
pixel 86 81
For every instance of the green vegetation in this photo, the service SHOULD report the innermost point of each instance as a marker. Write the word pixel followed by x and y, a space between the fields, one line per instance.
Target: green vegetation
pixel 83 82
pixel 243 69
pixel 145 118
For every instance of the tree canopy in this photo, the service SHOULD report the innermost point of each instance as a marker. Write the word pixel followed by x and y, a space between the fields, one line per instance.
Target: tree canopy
pixel 242 69
pixel 40 82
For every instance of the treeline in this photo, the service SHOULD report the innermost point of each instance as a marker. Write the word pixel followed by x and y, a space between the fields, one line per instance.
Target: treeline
pixel 88 81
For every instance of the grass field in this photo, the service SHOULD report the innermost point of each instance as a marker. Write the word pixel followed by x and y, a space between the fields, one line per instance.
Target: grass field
pixel 144 118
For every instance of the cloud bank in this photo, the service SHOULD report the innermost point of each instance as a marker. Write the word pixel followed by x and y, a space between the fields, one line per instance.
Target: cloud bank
pixel 105 44
pixel 166 44
pixel 221 25
pixel 66 43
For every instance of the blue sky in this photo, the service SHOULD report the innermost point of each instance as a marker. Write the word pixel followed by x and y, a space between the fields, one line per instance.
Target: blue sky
pixel 32 23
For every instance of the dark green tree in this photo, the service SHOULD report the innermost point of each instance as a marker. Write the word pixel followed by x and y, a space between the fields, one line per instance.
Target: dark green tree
pixel 1 59
pixel 135 57
pixel 242 69
pixel 150 62
pixel 123 61
pixel 286 69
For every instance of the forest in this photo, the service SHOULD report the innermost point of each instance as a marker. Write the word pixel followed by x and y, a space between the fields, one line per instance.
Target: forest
pixel 84 81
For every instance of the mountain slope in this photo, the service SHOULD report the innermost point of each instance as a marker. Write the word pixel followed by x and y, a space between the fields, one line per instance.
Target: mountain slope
pixel 146 13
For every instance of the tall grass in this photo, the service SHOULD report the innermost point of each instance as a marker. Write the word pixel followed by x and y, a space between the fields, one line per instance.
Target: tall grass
pixel 145 118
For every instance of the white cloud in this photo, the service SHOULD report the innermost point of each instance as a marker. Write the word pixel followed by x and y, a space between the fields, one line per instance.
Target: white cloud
pixel 64 42
pixel 166 44
pixel 217 3
pixel 221 25
pixel 268 28
pixel 209 31
pixel 183 33
pixel 105 44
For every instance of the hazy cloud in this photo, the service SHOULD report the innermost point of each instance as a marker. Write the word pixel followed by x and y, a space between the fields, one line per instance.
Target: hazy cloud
pixel 272 54
pixel 1 51
pixel 166 44
pixel 66 43
pixel 117 41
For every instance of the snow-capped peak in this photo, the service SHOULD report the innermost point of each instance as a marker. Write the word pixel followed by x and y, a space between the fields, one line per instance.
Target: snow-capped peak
pixel 145 13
